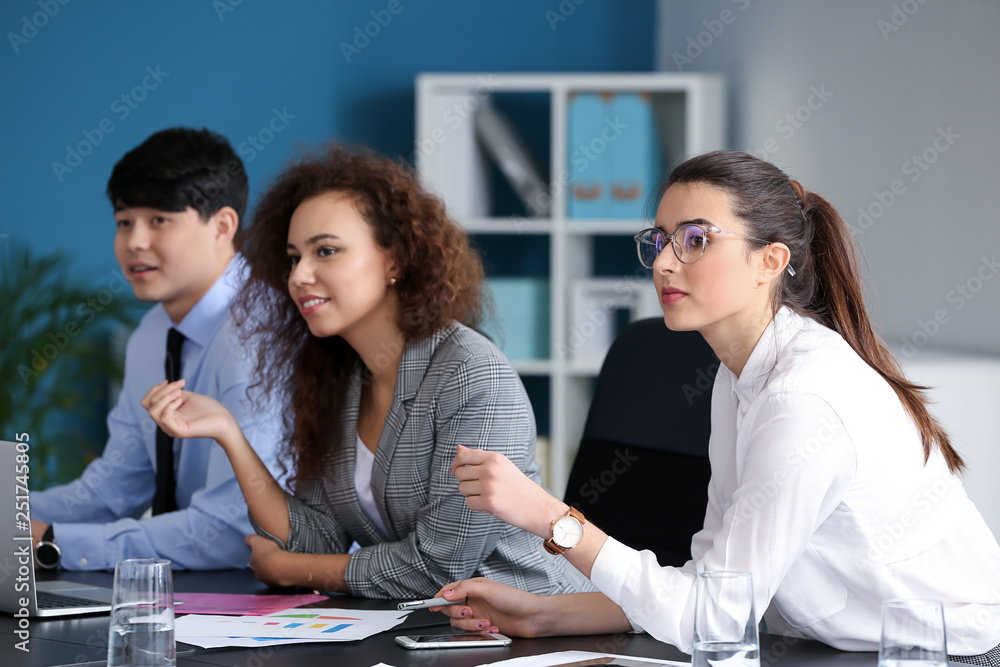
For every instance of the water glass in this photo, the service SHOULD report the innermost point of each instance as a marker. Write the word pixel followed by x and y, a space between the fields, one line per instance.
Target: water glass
pixel 142 615
pixel 725 624
pixel 912 634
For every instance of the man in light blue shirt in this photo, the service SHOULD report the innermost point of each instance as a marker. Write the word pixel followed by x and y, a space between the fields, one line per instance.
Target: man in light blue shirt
pixel 178 200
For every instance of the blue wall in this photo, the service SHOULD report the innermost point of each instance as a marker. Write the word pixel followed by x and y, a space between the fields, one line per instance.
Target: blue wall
pixel 229 67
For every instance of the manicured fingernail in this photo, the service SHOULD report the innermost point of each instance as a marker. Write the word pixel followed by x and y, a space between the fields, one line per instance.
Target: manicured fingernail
pixel 482 625
pixel 494 630
pixel 448 593
pixel 465 612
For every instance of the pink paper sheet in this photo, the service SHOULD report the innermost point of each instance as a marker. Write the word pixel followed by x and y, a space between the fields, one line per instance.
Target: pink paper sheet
pixel 240 604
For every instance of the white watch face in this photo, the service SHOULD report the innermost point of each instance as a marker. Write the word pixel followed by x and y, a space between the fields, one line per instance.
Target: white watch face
pixel 567 532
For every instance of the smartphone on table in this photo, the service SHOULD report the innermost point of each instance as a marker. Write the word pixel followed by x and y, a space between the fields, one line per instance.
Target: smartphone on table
pixel 452 641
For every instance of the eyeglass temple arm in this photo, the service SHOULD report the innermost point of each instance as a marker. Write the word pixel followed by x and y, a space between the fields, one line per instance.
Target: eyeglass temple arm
pixel 788 268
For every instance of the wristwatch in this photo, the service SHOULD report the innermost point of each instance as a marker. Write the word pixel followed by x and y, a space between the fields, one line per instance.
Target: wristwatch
pixel 566 532
pixel 47 553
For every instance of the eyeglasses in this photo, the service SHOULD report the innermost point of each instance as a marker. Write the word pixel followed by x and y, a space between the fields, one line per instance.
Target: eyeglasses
pixel 688 241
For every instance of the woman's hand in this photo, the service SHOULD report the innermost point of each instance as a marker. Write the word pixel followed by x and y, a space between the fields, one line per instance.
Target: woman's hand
pixel 493 607
pixel 491 483
pixel 269 562
pixel 185 414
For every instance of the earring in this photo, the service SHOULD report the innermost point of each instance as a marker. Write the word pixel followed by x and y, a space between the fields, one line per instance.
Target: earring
pixel 392 281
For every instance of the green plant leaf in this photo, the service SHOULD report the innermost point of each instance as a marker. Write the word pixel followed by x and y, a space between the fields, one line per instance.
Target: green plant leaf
pixel 56 366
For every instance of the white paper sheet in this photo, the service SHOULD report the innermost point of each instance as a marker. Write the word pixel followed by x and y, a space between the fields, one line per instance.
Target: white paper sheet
pixel 291 626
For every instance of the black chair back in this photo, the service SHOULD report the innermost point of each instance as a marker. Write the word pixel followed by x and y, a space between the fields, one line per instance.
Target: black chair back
pixel 642 471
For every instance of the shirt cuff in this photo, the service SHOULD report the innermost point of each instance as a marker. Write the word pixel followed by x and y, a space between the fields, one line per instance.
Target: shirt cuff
pixel 82 546
pixel 610 571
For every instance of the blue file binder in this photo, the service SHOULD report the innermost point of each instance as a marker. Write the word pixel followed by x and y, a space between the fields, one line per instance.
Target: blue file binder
pixel 522 317
pixel 587 195
pixel 634 156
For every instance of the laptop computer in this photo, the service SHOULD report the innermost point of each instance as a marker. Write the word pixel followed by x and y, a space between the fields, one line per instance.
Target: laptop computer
pixel 20 594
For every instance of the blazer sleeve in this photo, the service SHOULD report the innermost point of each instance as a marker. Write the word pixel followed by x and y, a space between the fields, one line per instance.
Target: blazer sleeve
pixel 480 404
pixel 313 528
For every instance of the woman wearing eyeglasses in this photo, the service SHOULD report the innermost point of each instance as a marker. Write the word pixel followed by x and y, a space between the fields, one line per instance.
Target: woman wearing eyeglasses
pixel 361 288
pixel 831 482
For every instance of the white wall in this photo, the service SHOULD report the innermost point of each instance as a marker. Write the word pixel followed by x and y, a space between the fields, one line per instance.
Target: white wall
pixel 887 97
pixel 966 398
pixel 880 96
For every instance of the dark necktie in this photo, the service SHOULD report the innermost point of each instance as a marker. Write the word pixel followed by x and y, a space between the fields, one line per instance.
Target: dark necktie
pixel 164 500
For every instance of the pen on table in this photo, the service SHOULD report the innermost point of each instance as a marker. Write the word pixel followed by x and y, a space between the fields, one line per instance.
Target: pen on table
pixel 424 604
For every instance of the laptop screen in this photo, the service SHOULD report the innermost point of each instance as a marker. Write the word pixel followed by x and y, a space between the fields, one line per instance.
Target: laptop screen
pixel 19 591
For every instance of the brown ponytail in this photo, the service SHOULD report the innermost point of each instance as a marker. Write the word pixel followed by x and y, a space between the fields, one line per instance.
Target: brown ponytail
pixel 826 286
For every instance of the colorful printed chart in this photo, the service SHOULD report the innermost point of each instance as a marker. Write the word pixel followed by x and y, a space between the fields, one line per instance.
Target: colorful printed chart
pixel 286 627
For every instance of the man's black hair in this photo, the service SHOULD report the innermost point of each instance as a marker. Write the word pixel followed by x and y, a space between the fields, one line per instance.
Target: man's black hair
pixel 181 167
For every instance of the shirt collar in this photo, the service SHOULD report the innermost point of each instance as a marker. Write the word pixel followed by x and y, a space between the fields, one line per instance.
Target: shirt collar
pixel 765 355
pixel 212 309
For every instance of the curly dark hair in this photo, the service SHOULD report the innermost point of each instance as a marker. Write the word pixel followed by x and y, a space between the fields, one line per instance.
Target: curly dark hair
pixel 440 281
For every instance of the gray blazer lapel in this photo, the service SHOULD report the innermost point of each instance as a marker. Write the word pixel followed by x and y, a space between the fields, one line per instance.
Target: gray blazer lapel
pixel 399 412
pixel 344 496
pixel 412 369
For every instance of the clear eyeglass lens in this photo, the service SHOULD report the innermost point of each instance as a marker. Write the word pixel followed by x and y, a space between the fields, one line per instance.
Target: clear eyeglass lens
pixel 651 244
pixel 690 243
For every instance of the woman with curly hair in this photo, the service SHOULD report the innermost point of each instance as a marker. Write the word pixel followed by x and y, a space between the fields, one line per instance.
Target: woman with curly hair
pixel 363 293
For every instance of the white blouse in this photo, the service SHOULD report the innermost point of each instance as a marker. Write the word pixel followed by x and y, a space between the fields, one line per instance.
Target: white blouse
pixel 819 488
pixel 364 461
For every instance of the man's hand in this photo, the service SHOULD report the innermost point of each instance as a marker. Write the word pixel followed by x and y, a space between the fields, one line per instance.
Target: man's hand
pixel 38 529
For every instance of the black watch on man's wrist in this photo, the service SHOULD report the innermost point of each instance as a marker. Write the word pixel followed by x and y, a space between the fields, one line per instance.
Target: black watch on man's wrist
pixel 47 553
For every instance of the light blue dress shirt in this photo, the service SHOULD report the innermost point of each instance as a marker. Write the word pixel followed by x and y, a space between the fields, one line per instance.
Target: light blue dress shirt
pixel 96 518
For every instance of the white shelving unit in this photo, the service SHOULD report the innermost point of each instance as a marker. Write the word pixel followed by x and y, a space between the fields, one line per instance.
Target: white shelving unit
pixel 690 116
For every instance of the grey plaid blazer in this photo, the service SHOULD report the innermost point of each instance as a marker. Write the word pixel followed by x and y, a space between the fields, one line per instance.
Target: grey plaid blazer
pixel 454 387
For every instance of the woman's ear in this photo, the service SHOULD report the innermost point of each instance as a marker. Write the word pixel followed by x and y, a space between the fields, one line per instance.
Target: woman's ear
pixel 392 272
pixel 773 260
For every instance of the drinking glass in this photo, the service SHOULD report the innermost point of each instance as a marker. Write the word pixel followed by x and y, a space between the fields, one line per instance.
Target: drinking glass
pixel 142 615
pixel 725 625
pixel 912 634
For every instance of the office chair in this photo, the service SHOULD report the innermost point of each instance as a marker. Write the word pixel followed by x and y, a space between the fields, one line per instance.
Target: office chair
pixel 641 473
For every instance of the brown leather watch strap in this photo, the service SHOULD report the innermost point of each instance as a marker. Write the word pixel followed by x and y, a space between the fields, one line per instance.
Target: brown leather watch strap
pixel 551 546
